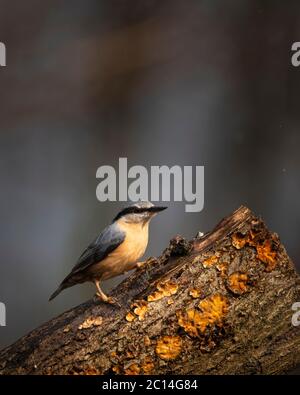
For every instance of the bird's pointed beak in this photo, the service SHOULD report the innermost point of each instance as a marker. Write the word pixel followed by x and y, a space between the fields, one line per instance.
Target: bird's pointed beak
pixel 157 209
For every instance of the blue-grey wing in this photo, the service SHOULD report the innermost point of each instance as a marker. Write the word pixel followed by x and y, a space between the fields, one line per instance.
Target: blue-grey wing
pixel 108 240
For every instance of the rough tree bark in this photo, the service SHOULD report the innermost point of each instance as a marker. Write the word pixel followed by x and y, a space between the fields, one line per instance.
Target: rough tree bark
pixel 220 304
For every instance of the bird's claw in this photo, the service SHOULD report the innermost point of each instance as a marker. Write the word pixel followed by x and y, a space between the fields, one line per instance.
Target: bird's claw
pixel 108 299
pixel 139 265
pixel 113 301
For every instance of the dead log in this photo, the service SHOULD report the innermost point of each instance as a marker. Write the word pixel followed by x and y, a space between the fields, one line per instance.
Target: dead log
pixel 219 304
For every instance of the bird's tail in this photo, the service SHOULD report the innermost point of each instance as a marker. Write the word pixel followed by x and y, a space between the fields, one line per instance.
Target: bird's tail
pixel 58 291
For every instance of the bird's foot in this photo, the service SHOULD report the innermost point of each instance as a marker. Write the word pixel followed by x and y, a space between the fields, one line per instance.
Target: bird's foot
pixel 113 301
pixel 139 265
pixel 107 299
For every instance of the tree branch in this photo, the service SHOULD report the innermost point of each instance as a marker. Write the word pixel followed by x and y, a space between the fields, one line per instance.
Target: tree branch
pixel 219 304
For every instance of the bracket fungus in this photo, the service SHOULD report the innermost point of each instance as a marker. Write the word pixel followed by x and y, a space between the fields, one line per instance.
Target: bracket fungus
pixel 211 312
pixel 90 322
pixel 265 243
pixel 164 289
pixel 238 283
pixel 168 347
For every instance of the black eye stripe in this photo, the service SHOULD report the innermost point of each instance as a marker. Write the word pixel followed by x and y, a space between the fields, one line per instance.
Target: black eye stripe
pixel 130 210
pixel 137 210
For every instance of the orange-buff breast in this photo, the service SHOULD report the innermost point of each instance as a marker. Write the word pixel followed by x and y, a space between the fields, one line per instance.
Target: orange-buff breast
pixel 135 243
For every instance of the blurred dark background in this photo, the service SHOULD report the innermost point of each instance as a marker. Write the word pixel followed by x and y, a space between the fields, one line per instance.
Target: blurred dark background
pixel 159 82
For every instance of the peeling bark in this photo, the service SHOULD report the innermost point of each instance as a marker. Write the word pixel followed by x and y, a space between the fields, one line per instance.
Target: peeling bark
pixel 219 304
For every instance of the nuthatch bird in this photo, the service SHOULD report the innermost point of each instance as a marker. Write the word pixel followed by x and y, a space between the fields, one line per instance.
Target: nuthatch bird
pixel 115 251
